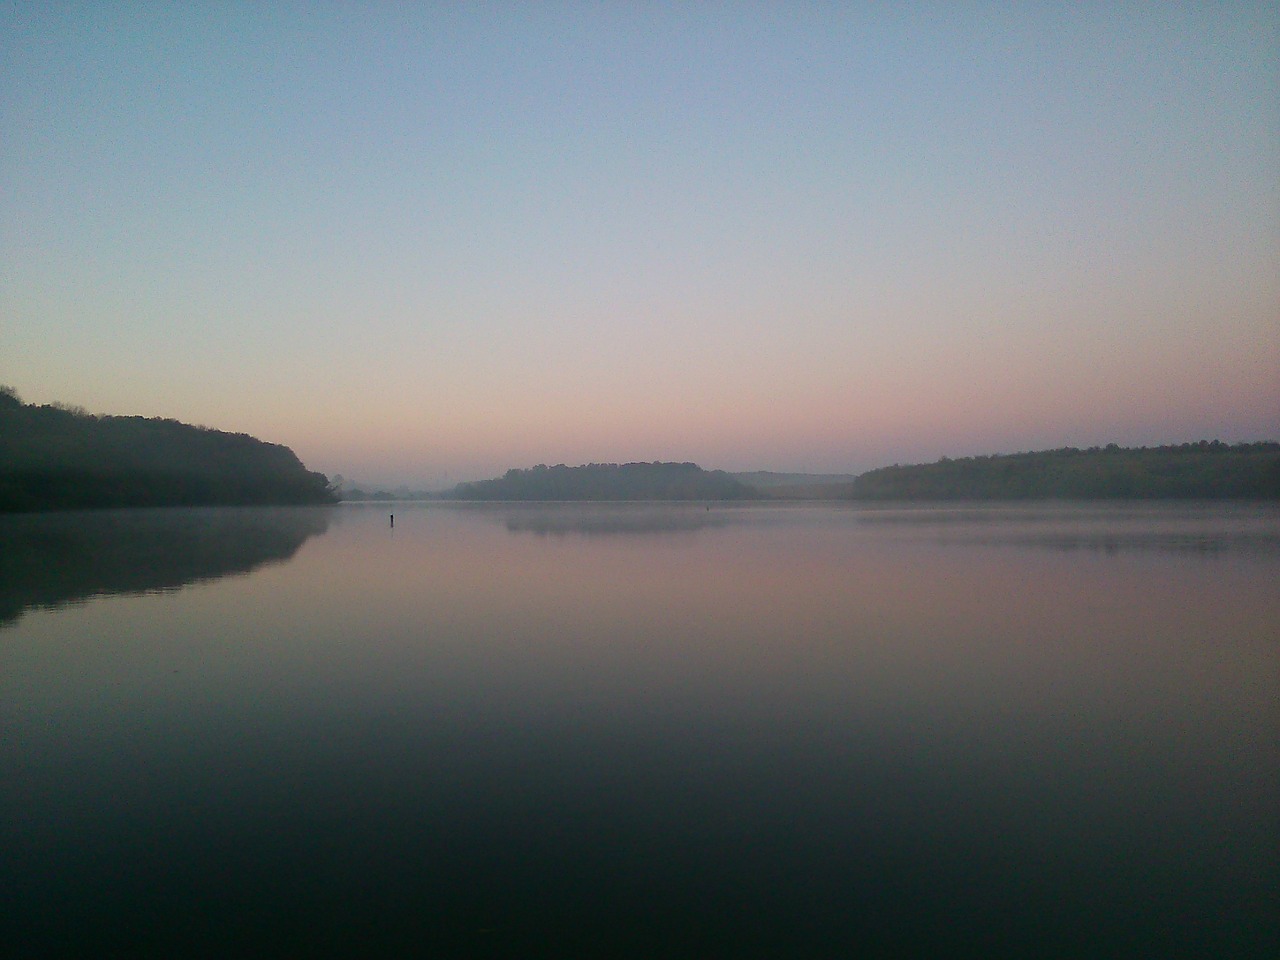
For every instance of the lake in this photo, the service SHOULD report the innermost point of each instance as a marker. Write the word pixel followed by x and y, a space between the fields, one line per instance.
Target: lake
pixel 659 730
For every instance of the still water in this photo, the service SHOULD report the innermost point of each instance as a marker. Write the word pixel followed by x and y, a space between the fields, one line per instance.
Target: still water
pixel 647 730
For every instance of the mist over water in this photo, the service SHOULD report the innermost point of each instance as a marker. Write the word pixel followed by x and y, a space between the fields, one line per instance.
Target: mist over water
pixel 653 729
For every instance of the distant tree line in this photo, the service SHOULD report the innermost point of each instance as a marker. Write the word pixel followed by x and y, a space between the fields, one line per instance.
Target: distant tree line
pixel 1204 470
pixel 344 489
pixel 57 457
pixel 357 494
pixel 609 481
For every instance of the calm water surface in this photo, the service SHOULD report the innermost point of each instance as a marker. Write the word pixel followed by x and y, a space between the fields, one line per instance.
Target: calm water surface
pixel 642 730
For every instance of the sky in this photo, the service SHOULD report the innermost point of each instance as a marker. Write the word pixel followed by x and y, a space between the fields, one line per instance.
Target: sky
pixel 425 242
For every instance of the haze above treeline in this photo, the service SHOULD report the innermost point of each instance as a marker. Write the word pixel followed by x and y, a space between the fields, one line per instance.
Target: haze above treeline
pixel 56 457
pixel 425 242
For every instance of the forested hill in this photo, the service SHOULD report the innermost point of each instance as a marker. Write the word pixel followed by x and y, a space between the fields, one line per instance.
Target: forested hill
pixel 608 481
pixel 1189 471
pixel 57 458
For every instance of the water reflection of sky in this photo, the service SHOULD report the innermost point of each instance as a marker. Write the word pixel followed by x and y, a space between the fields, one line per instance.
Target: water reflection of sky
pixel 788 728
pixel 1110 527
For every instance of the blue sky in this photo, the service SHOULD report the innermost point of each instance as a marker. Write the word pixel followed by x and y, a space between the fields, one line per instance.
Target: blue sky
pixel 428 241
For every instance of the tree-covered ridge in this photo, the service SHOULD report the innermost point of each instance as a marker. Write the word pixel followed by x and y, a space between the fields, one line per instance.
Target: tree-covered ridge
pixel 1204 470
pixel 608 481
pixel 55 458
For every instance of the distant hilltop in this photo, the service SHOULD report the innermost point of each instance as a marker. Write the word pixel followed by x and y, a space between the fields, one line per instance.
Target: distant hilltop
pixel 62 458
pixel 1208 470
pixel 609 481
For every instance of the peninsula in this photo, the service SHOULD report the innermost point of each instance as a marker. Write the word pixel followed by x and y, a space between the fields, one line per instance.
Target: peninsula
pixel 54 457
pixel 609 481
pixel 1208 470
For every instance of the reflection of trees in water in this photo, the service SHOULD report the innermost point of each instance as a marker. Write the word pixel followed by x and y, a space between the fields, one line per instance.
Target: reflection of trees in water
pixel 50 559
pixel 593 520
pixel 1191 542
pixel 1161 527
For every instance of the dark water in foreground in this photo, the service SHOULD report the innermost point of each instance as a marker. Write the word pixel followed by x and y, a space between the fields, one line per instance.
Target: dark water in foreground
pixel 641 730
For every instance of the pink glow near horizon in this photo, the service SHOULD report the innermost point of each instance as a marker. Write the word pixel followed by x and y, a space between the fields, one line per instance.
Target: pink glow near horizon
pixel 418 247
